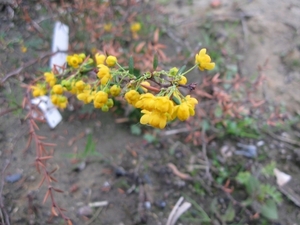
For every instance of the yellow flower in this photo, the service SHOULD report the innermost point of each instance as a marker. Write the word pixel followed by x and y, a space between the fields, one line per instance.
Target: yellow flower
pixel 154 119
pixel 107 27
pixel 111 61
pixel 100 99
pixel 80 85
pixel 105 79
pixel 75 60
pixel 115 90
pixel 146 101
pixel 164 105
pixel 86 96
pixel 50 78
pixel 57 89
pixel 135 27
pixel 183 80
pixel 132 97
pixel 38 90
pixel 185 109
pixel 182 111
pixel 60 101
pixel 204 61
pixel 23 49
pixel 103 71
pixel 100 58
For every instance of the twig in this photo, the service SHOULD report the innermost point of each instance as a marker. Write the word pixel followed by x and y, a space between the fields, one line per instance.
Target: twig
pixel 283 139
pixel 6 217
pixel 175 131
pixel 27 64
pixel 95 216
pixel 181 175
pixel 177 211
pixel 8 111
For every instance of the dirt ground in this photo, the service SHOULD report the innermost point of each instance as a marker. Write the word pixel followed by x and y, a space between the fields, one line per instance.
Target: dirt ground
pixel 123 165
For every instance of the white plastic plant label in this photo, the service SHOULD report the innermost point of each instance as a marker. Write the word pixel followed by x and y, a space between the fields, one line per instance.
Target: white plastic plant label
pixel 52 115
pixel 60 42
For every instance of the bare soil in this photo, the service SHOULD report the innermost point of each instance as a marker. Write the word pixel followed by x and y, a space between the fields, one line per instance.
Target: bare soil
pixel 124 165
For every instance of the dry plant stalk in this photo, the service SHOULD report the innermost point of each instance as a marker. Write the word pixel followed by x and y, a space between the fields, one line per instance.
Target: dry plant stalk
pixel 42 156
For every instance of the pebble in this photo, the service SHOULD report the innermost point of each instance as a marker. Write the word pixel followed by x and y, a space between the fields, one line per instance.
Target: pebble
pixel 161 204
pixel 13 178
pixel 120 171
pixel 85 211
pixel 147 205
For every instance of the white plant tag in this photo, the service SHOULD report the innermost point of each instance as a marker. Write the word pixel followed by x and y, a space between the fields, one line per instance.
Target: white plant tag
pixel 60 42
pixel 52 115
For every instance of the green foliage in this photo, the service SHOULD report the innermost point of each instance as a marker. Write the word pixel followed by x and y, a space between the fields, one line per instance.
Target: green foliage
pixel 155 62
pixel 135 129
pixel 240 127
pixel 265 196
pixel 89 149
pixel 268 170
pixel 269 210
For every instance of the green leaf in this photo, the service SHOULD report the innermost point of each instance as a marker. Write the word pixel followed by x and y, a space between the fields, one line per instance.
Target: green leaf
pixel 131 67
pixel 269 210
pixel 268 170
pixel 218 112
pixel 155 62
pixel 205 125
pixel 149 138
pixel 243 177
pixel 253 186
pixel 176 100
pixel 135 129
pixel 181 70
pixel 229 214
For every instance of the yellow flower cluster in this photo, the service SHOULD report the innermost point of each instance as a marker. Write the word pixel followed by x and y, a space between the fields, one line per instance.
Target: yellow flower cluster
pixel 38 90
pixel 75 60
pixel 60 101
pixel 50 78
pixel 158 110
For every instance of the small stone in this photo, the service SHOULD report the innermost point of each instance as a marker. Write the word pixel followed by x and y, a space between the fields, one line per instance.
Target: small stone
pixel 120 171
pixel 13 178
pixel 161 204
pixel 85 211
pixel 147 205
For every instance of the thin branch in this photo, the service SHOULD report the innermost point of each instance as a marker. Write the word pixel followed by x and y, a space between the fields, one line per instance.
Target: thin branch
pixel 27 64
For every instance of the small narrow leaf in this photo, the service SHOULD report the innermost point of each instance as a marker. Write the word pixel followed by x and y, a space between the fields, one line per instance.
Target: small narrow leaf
pixel 131 67
pixel 46 196
pixel 155 62
pixel 181 70
pixel 176 100
pixel 54 211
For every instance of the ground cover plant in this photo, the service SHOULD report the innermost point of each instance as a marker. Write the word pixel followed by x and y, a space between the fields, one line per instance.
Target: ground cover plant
pixel 142 127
